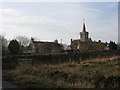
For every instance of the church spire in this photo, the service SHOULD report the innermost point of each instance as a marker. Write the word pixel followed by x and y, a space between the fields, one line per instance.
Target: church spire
pixel 84 34
pixel 84 28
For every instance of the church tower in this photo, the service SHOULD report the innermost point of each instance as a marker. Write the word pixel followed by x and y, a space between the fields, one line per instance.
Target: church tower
pixel 84 34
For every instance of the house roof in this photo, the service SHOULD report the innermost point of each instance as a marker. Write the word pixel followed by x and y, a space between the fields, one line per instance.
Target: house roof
pixel 38 44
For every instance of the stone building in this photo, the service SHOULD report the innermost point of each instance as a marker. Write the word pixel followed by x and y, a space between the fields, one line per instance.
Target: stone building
pixel 39 47
pixel 86 44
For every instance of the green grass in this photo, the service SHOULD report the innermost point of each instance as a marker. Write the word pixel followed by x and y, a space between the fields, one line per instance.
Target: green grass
pixel 90 74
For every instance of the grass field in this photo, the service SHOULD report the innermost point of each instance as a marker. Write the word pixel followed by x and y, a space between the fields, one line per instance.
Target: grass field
pixel 97 73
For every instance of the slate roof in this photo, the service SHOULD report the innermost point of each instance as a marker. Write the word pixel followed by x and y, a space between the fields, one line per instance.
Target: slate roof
pixel 38 44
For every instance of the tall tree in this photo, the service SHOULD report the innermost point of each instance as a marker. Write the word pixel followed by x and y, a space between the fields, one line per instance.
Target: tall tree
pixel 14 47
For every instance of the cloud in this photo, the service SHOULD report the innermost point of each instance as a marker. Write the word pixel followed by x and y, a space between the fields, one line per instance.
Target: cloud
pixel 105 30
pixel 11 16
pixel 8 11
pixel 16 17
pixel 64 23
pixel 17 23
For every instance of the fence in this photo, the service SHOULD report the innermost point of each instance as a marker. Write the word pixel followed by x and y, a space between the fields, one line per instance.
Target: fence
pixel 57 58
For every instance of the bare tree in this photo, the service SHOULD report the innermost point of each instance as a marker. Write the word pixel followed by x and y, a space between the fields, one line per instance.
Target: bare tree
pixel 22 40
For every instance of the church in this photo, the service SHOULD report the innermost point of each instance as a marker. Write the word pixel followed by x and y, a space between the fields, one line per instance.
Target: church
pixel 86 44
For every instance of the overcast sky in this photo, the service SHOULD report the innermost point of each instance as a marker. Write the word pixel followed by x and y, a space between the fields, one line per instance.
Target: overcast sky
pixel 55 20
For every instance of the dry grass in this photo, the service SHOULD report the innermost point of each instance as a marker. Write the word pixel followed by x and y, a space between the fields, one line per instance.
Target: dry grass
pixel 88 74
pixel 105 59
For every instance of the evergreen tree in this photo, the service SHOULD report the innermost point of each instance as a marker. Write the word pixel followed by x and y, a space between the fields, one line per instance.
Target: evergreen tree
pixel 13 47
pixel 112 45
